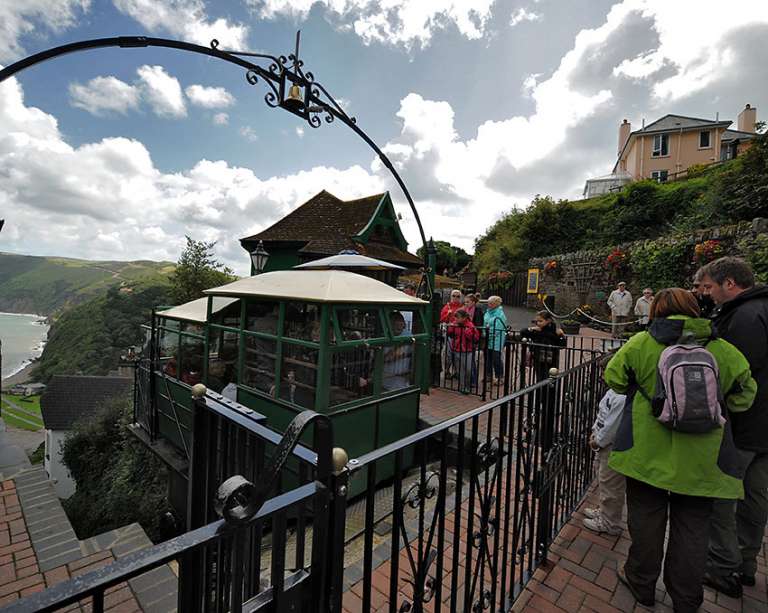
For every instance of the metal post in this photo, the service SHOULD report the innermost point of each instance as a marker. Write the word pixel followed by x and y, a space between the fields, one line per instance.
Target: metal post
pixel 335 546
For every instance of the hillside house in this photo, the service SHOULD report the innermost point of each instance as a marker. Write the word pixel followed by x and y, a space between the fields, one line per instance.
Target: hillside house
pixel 325 225
pixel 67 400
pixel 669 146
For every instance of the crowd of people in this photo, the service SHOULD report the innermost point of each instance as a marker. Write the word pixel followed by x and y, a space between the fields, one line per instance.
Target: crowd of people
pixel 682 437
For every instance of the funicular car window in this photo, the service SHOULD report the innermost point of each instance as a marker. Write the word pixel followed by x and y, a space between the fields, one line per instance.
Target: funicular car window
pixel 359 323
pixel 223 350
pixel 259 363
pixel 191 359
pixel 228 316
pixel 302 321
pixel 262 316
pixel 405 322
pixel 298 375
pixel 352 374
pixel 168 347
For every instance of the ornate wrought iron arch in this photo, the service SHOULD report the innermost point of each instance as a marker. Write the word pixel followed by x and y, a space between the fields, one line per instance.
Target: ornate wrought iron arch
pixel 278 76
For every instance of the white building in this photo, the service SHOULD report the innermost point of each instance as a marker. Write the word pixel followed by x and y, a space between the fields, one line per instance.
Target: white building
pixel 606 184
pixel 66 400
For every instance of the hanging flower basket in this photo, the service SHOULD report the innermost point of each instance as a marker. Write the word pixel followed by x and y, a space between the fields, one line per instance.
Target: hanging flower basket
pixel 552 269
pixel 706 252
pixel 617 262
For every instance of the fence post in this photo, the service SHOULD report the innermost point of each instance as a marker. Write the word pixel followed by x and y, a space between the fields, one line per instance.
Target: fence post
pixel 191 583
pixel 337 517
pixel 548 420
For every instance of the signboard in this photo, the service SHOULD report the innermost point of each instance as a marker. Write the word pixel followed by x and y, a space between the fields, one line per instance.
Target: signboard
pixel 533 280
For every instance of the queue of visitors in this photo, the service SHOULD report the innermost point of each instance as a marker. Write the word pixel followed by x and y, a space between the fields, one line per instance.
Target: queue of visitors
pixel 684 430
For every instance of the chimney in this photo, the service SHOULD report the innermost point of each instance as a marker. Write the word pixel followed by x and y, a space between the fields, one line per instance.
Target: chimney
pixel 624 129
pixel 747 119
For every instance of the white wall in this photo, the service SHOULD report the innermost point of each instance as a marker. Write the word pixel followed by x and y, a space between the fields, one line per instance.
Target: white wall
pixel 63 484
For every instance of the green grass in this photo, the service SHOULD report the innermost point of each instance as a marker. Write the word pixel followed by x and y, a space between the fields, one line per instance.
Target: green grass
pixel 30 404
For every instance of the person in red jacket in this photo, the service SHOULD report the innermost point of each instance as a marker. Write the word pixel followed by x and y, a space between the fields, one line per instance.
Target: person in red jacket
pixel 464 337
pixel 447 318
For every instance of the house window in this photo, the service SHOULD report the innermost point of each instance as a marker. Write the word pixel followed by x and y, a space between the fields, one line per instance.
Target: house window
pixel 704 139
pixel 660 145
pixel 659 176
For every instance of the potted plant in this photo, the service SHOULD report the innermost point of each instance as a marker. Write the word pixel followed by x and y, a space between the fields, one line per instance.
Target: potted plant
pixel 570 326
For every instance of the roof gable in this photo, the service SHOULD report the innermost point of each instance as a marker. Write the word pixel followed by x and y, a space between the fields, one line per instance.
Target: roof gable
pixel 678 122
pixel 70 398
pixel 322 216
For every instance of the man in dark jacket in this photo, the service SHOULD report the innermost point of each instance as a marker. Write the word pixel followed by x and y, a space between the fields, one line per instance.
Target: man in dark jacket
pixel 741 317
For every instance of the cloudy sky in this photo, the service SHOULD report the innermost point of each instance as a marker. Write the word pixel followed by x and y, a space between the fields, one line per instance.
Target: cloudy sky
pixel 481 104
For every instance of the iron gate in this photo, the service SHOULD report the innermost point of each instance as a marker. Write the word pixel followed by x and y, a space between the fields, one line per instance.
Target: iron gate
pixel 467 518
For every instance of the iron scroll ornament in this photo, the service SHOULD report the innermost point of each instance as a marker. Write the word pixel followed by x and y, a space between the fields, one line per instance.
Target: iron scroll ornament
pixel 277 76
pixel 238 500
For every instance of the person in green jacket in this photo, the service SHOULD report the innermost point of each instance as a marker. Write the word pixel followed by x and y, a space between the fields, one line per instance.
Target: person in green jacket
pixel 671 473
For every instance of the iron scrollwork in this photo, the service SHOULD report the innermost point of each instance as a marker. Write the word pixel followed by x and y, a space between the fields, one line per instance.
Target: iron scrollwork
pixel 423 584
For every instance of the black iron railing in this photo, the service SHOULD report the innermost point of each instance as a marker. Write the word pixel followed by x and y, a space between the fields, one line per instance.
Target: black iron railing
pixel 497 362
pixel 464 516
pixel 486 494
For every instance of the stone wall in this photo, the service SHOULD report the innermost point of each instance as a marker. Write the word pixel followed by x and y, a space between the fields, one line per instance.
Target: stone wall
pixel 585 277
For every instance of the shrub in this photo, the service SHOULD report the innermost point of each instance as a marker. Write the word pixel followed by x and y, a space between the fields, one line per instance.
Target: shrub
pixel 119 481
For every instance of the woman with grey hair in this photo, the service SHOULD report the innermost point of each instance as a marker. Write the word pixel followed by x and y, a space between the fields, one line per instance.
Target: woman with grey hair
pixel 495 322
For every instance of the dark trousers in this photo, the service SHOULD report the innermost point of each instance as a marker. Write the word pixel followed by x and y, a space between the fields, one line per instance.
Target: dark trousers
pixel 648 508
pixel 738 526
pixel 493 364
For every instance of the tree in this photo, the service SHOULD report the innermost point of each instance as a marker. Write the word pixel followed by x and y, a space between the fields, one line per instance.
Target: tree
pixel 448 257
pixel 119 480
pixel 197 270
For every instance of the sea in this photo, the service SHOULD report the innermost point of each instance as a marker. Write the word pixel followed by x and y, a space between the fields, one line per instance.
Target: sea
pixel 23 338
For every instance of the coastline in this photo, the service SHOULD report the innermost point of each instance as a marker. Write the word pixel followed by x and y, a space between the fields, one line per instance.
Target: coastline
pixel 22 376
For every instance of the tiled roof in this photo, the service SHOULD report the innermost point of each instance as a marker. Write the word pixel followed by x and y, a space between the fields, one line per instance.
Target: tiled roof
pixel 734 134
pixel 322 217
pixel 326 225
pixel 678 122
pixel 71 397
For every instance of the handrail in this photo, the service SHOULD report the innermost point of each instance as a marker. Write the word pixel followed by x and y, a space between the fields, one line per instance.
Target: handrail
pixel 356 464
pixel 134 564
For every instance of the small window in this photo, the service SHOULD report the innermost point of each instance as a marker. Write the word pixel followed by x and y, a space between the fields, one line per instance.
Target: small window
pixel 168 349
pixel 262 316
pixel 704 137
pixel 298 375
pixel 398 367
pixel 359 324
pixel 660 176
pixel 191 362
pixel 259 363
pixel 228 316
pixel 405 323
pixel 351 374
pixel 302 321
pixel 660 145
pixel 223 348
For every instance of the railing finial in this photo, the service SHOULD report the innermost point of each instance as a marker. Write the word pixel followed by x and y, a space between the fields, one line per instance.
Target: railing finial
pixel 340 459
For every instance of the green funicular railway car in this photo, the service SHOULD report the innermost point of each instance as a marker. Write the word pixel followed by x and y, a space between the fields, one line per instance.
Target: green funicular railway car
pixel 278 343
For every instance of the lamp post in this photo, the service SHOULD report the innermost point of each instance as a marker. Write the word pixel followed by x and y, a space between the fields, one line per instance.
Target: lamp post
pixel 259 258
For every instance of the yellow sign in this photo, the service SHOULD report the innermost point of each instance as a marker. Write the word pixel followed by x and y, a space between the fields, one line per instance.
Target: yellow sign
pixel 533 280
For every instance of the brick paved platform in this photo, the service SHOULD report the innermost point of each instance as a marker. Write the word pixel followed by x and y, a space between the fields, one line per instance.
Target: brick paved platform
pixel 39 549
pixel 583 577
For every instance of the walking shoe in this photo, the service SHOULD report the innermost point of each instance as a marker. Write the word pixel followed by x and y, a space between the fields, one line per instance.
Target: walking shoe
pixel 591 512
pixel 728 584
pixel 646 602
pixel 748 580
pixel 598 525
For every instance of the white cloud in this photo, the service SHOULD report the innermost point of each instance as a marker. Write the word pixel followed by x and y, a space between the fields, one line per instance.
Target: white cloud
pixel 209 97
pixel 107 199
pixel 249 134
pixel 521 15
pixel 221 119
pixel 299 131
pixel 162 91
pixel 400 22
pixel 21 17
pixel 186 19
pixel 104 95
